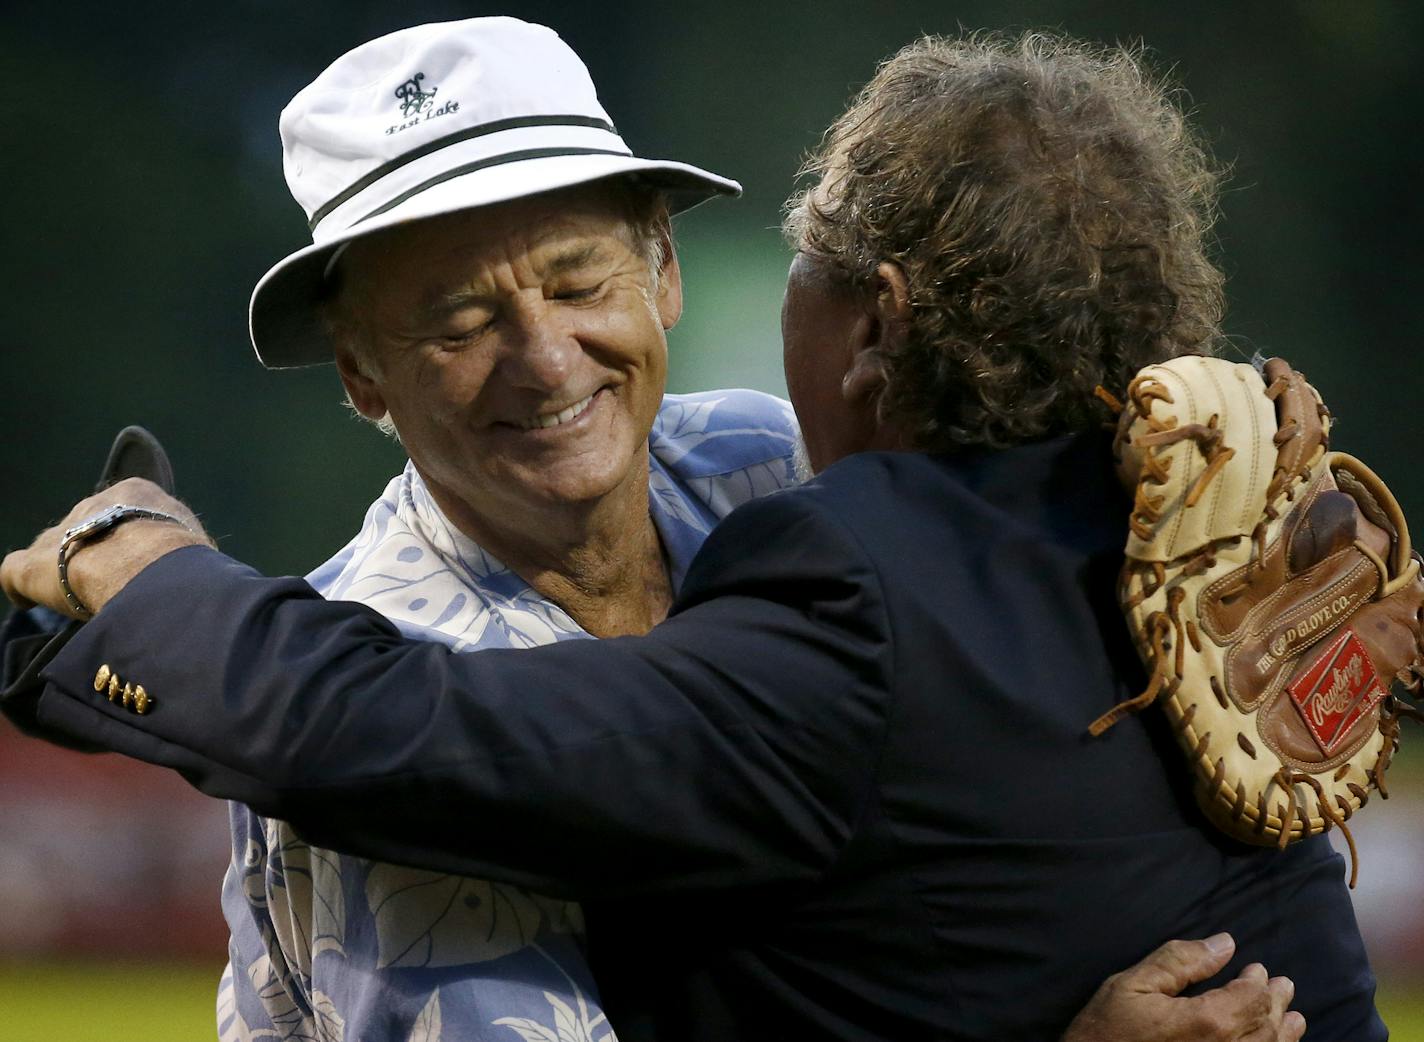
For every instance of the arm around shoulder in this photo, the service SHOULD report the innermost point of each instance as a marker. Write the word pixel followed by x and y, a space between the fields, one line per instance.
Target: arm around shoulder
pixel 731 746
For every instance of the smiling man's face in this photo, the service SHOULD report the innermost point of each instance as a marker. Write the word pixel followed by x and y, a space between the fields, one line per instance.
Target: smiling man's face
pixel 520 350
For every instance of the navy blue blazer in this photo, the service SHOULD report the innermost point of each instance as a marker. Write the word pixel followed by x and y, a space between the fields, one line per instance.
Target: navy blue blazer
pixel 845 792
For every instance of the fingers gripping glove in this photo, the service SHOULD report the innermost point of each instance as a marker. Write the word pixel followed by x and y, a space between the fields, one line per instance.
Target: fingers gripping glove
pixel 1272 592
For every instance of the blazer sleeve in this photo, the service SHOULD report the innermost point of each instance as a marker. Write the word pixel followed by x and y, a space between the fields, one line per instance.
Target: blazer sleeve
pixel 734 745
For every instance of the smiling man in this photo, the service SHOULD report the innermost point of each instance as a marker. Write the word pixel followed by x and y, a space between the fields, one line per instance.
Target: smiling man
pixel 494 286
pixel 493 274
pixel 520 352
pixel 804 806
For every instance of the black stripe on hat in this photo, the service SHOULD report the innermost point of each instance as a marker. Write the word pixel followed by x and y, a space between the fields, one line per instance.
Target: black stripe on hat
pixel 480 164
pixel 513 123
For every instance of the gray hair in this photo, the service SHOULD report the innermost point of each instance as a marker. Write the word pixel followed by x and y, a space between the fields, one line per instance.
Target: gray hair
pixel 1050 207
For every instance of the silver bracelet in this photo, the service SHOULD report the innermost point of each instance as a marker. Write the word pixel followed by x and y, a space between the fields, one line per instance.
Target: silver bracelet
pixel 93 527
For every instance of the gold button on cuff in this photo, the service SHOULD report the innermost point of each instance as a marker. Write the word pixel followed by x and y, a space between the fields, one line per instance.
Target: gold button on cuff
pixel 128 695
pixel 101 678
pixel 141 700
pixel 113 688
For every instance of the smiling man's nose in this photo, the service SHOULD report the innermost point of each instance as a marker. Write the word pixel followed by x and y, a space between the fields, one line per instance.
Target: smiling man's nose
pixel 543 354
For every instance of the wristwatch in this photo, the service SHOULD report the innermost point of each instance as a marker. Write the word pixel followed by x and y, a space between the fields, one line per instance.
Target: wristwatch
pixel 92 528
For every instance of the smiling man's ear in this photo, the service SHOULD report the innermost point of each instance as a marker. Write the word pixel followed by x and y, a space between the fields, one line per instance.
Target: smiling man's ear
pixel 878 334
pixel 362 391
pixel 668 300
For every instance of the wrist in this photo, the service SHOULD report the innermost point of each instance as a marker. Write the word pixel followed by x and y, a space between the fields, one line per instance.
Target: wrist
pixel 98 570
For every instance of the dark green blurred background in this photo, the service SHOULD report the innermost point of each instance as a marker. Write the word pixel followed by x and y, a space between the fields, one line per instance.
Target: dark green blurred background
pixel 144 198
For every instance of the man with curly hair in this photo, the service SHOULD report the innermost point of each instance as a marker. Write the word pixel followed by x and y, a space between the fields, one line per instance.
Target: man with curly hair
pixel 1037 211
pixel 844 791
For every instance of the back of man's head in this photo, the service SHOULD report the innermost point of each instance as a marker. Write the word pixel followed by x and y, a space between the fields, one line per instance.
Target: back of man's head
pixel 1048 206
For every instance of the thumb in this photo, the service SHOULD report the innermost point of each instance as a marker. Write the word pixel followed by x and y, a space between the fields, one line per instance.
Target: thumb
pixel 1177 964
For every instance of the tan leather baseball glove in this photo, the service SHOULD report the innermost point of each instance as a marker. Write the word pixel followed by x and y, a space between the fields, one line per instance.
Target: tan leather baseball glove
pixel 1272 591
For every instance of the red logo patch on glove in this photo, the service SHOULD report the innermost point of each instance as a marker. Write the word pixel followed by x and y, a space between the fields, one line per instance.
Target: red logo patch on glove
pixel 1339 688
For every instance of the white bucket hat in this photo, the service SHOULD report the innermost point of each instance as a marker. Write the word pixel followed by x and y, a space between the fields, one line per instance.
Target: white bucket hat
pixel 427 121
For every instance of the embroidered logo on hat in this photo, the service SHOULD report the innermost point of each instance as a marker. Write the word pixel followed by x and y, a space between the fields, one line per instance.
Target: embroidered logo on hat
pixel 412 98
pixel 414 101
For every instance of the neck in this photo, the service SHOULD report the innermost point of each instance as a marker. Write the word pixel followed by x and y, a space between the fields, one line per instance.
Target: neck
pixel 601 562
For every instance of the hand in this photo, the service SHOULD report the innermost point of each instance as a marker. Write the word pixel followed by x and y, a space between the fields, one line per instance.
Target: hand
pixel 1140 1003
pixel 99 569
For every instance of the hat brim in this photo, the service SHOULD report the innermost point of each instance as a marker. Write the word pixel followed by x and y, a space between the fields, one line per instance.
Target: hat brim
pixel 285 315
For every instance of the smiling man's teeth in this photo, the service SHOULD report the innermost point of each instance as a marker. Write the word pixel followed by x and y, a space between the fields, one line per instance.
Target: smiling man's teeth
pixel 553 419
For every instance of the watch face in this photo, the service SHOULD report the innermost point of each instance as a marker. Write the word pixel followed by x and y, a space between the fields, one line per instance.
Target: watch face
pixel 101 520
pixel 108 518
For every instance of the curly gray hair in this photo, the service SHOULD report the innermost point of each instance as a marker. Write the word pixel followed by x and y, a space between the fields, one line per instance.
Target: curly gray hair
pixel 1049 207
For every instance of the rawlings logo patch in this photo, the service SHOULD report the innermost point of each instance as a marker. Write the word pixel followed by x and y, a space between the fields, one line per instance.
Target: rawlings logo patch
pixel 1339 688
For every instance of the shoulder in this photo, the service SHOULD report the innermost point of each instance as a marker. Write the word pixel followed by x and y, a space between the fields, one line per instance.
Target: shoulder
pixel 843 494
pixel 714 432
pixel 723 448
pixel 872 507
pixel 862 488
pixel 781 539
pixel 396 563
pixel 331 576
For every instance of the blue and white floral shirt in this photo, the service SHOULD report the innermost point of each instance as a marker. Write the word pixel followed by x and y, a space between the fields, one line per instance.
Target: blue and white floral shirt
pixel 331 948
